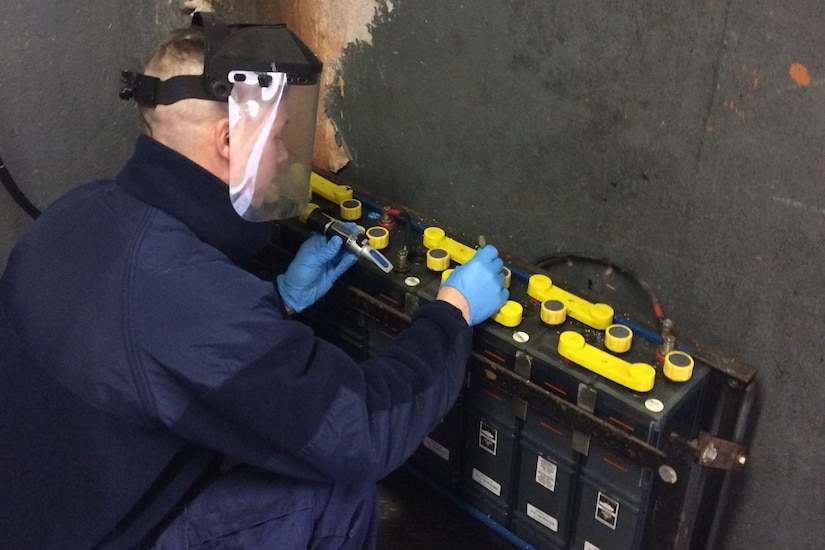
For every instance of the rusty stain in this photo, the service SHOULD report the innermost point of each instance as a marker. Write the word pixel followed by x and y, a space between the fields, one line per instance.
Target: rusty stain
pixel 328 27
pixel 755 77
pixel 799 73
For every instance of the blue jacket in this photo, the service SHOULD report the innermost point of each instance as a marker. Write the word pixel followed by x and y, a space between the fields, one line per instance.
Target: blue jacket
pixel 135 353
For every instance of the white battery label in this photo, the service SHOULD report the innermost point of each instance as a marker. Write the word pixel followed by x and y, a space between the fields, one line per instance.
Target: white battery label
pixel 487 482
pixel 440 450
pixel 487 438
pixel 607 510
pixel 542 517
pixel 546 473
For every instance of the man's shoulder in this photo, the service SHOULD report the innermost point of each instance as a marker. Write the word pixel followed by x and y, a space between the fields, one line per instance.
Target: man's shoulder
pixel 85 201
pixel 83 192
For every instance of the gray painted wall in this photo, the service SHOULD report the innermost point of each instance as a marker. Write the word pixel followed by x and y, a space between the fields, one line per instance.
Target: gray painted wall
pixel 61 123
pixel 667 137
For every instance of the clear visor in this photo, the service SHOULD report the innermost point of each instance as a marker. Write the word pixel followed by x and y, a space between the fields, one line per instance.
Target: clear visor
pixel 271 132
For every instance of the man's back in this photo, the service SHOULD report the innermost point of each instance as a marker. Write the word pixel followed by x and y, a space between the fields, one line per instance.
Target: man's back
pixel 77 465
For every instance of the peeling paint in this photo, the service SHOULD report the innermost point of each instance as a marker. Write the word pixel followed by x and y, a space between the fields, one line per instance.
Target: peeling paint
pixel 799 73
pixel 191 6
pixel 329 27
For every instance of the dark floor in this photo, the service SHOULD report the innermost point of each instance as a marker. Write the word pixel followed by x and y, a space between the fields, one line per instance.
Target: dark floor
pixel 413 515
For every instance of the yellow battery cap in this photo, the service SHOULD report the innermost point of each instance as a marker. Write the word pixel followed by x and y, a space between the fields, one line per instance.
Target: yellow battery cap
pixel 508 276
pixel 351 210
pixel 678 366
pixel 379 237
pixel 553 312
pixel 438 259
pixel 435 237
pixel 617 338
pixel 510 314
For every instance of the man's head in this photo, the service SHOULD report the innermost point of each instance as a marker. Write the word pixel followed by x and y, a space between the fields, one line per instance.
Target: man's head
pixel 240 100
pixel 196 128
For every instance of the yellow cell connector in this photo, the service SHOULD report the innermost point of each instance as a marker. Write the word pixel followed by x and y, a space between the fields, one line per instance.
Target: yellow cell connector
pixel 510 314
pixel 435 237
pixel 331 191
pixel 636 376
pixel 599 316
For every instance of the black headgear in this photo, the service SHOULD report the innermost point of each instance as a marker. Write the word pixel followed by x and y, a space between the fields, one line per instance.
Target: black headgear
pixel 256 48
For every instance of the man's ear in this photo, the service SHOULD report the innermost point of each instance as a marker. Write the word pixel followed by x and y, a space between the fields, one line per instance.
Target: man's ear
pixel 222 138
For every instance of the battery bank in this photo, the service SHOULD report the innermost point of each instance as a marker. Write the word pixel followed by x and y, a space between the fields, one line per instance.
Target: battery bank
pixel 543 511
pixel 489 468
pixel 495 452
pixel 669 407
pixel 553 379
pixel 612 491
pixel 439 456
pixel 492 347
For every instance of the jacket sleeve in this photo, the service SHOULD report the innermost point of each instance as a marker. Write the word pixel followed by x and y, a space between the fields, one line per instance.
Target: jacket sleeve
pixel 222 367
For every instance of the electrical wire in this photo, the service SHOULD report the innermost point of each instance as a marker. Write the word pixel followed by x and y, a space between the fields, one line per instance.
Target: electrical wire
pixel 19 197
pixel 567 257
pixel 406 220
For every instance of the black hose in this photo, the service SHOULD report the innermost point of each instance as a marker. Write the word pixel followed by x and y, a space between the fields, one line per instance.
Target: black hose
pixel 563 257
pixel 15 192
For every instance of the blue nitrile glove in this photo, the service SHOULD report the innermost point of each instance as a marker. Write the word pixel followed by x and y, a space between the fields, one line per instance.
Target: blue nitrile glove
pixel 481 281
pixel 317 264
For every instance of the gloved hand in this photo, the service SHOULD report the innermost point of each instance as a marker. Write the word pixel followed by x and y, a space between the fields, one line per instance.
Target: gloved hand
pixel 481 281
pixel 317 264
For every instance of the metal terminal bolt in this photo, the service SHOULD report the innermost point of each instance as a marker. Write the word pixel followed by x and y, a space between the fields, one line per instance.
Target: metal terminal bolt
pixel 668 345
pixel 710 454
pixel 668 339
pixel 386 218
pixel 402 263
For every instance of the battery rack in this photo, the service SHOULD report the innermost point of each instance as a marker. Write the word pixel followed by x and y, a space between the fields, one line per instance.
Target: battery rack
pixel 576 427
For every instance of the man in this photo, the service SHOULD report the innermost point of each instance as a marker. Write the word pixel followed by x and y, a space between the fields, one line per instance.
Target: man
pixel 155 394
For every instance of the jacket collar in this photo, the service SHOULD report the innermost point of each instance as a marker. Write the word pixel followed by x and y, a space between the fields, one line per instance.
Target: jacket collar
pixel 165 179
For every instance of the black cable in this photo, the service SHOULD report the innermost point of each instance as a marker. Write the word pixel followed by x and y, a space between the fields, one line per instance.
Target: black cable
pixel 15 192
pixel 407 223
pixel 565 257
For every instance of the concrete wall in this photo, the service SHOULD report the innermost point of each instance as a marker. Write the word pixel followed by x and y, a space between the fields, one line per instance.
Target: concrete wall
pixel 683 141
pixel 61 123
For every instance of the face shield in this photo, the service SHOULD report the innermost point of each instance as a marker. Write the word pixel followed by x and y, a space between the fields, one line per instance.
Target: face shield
pixel 269 78
pixel 272 125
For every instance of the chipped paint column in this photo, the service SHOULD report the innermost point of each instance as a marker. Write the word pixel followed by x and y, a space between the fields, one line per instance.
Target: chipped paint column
pixel 328 27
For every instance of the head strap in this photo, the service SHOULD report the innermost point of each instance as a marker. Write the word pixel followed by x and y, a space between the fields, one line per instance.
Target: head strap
pixel 258 48
pixel 148 90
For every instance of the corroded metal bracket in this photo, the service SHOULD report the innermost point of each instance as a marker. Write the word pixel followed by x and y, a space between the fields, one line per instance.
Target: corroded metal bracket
pixel 713 452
